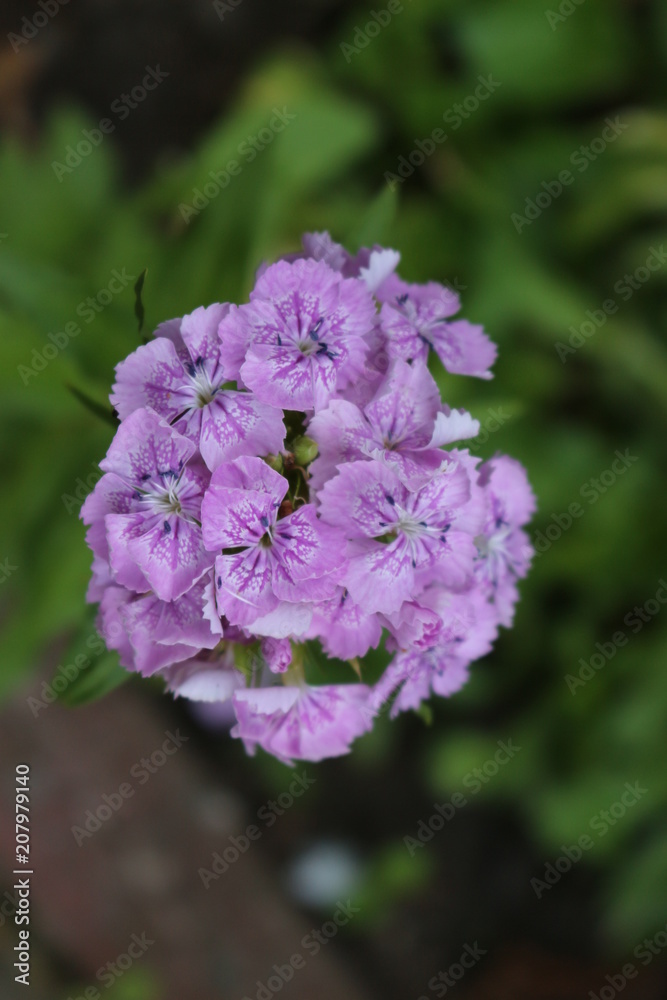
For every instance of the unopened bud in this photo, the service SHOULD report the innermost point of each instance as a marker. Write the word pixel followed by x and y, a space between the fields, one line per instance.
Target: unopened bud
pixel 275 462
pixel 304 450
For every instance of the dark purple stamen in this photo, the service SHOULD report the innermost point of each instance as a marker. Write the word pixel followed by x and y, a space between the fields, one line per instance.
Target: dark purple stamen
pixel 324 349
pixel 314 331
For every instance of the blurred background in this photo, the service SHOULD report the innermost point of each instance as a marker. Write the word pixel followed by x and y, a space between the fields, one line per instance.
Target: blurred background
pixel 518 152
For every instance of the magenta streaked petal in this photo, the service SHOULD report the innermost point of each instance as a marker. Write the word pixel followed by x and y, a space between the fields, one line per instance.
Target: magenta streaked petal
pixel 170 329
pixel 304 723
pixel 153 377
pixel 306 547
pixel 361 500
pixel 110 496
pixel 234 424
pixel 101 578
pixel 144 445
pixel 404 410
pixel 171 555
pixel 344 630
pixel 199 330
pixel 120 530
pixel 285 621
pixel 233 518
pixel 111 627
pixel 284 377
pixel 166 632
pixel 241 503
pixel 380 577
pixel 243 586
pixel 464 348
pixel 415 674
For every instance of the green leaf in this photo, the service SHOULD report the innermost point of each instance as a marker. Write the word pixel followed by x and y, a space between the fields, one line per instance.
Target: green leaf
pixel 138 304
pixel 538 63
pixel 96 680
pixel 425 713
pixel 635 903
pixel 99 409
pixel 376 222
pixel 87 670
pixel 246 658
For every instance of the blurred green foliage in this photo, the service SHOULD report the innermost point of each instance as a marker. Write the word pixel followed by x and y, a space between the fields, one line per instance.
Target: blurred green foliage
pixel 356 115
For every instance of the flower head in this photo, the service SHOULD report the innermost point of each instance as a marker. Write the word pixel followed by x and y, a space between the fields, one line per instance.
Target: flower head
pixel 417 318
pixel 504 550
pixel 405 425
pixel 303 723
pixel 399 538
pixel 301 337
pixel 145 511
pixel 289 524
pixel 266 560
pixel 180 376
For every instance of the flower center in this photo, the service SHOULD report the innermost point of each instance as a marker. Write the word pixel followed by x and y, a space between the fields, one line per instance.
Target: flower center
pixel 204 390
pixel 390 443
pixel 201 386
pixel 425 327
pixel 166 503
pixel 310 344
pixel 166 494
pixel 411 529
pixel 494 555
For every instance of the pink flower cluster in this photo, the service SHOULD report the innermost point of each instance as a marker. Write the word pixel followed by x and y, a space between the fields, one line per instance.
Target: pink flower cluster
pixel 286 478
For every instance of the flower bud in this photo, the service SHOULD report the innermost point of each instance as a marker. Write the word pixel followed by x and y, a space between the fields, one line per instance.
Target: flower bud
pixel 275 462
pixel 304 450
